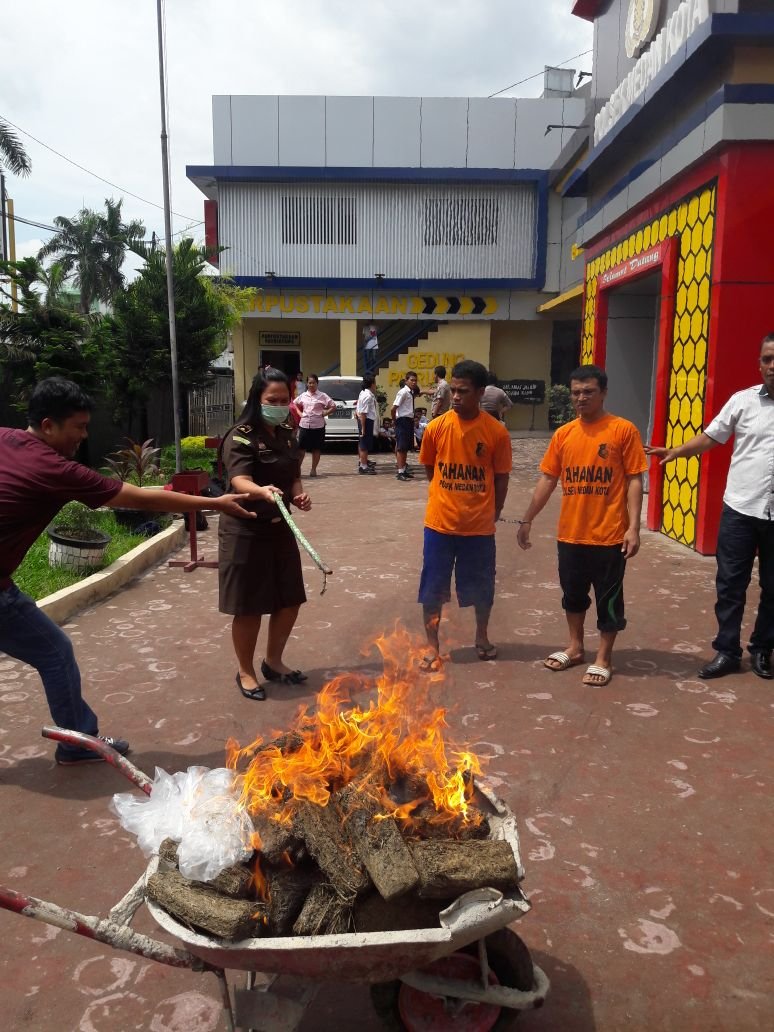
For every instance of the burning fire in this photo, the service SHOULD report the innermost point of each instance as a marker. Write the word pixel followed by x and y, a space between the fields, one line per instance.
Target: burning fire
pixel 394 750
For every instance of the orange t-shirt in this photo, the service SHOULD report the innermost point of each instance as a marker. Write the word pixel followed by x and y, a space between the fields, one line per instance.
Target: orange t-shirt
pixel 465 454
pixel 593 462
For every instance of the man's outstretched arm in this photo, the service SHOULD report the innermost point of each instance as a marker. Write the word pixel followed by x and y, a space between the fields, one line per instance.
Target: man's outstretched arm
pixel 696 446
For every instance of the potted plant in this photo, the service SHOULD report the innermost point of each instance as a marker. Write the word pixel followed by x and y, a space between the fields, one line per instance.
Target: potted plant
pixel 136 463
pixel 76 542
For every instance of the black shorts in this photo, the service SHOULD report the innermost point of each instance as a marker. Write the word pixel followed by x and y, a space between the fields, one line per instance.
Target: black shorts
pixel 404 433
pixel 602 567
pixel 259 571
pixel 366 440
pixel 311 438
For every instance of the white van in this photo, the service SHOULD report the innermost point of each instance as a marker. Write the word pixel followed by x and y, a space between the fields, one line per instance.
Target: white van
pixel 341 425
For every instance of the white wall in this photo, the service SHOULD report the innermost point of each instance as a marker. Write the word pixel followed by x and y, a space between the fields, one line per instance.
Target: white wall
pixel 391 132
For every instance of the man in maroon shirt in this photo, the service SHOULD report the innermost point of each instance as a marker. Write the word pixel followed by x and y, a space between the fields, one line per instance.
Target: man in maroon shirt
pixel 38 477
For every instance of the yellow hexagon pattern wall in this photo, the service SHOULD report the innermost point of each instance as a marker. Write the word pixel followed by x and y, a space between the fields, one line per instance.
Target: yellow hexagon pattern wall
pixel 692 220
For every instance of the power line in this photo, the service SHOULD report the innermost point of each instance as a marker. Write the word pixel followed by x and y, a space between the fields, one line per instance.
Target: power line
pixel 30 222
pixel 89 172
pixel 538 74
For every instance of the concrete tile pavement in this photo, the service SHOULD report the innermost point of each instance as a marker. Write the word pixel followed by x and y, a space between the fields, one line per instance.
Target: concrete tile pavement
pixel 644 807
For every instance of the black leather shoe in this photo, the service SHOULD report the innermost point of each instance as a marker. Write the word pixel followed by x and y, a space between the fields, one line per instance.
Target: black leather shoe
pixel 761 664
pixel 292 677
pixel 719 667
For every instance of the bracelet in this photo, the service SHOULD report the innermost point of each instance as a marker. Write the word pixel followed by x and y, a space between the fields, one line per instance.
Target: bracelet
pixel 522 522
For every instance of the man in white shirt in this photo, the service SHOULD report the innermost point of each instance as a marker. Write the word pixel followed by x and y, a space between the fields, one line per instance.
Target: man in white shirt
pixel 403 417
pixel 370 348
pixel 747 522
pixel 365 412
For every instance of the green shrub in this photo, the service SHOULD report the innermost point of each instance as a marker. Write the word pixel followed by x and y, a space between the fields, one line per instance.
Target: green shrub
pixel 77 520
pixel 560 410
pixel 195 455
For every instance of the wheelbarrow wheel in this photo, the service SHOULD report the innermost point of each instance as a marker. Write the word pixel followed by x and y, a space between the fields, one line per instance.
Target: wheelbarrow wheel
pixel 509 959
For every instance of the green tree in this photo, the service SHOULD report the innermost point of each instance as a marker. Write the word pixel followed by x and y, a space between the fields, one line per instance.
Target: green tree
pixel 47 336
pixel 137 335
pixel 12 155
pixel 91 248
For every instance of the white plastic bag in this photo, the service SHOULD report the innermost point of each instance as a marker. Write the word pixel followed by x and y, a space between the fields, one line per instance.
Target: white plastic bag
pixel 199 810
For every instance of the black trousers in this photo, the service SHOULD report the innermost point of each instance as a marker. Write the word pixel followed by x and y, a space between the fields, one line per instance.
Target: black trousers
pixel 739 538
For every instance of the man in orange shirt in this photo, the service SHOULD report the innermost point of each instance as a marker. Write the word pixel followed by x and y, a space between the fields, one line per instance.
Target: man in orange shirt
pixel 467 459
pixel 600 460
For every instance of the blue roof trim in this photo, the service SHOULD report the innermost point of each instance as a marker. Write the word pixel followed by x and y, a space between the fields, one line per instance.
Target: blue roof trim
pixel 756 93
pixel 469 286
pixel 303 173
pixel 720 29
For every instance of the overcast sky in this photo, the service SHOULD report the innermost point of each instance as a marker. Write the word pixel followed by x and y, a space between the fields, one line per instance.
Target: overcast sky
pixel 82 78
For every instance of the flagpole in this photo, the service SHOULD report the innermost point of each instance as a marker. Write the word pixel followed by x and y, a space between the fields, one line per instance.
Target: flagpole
pixel 168 238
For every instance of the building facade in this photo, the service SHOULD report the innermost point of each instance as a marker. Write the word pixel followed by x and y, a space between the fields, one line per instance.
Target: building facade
pixel 433 219
pixel 675 172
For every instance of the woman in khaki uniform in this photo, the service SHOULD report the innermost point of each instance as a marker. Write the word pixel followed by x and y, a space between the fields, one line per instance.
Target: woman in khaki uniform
pixel 259 562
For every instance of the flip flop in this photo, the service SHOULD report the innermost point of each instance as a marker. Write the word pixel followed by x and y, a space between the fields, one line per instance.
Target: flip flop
pixel 485 652
pixel 430 665
pixel 597 671
pixel 563 661
pixel 257 694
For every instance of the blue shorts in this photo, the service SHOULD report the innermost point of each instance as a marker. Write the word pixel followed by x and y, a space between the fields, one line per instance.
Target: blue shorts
pixel 472 558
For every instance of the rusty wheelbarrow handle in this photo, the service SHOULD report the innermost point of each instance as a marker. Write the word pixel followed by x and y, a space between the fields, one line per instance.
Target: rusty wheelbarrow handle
pixel 118 936
pixel 107 752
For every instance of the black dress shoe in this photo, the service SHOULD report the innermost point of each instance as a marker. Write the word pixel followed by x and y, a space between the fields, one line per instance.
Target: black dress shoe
pixel 761 664
pixel 719 667
pixel 292 677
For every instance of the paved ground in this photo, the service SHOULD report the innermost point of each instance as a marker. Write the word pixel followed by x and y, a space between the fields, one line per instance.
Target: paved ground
pixel 644 807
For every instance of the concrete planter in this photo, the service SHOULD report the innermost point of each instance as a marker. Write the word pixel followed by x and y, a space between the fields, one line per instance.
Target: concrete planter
pixel 75 553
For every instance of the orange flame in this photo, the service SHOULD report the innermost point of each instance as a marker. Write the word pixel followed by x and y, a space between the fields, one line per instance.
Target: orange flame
pixel 397 741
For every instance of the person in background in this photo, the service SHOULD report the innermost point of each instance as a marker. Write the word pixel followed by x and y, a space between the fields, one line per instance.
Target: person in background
pixel 366 415
pixel 599 460
pixel 467 460
pixel 298 386
pixel 440 396
pixel 313 405
pixel 370 348
pixel 420 423
pixel 259 569
pixel 387 434
pixel 495 401
pixel 403 416
pixel 747 520
pixel 37 477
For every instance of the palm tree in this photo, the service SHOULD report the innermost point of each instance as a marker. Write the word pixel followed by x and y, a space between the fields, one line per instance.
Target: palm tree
pixel 12 153
pixel 90 247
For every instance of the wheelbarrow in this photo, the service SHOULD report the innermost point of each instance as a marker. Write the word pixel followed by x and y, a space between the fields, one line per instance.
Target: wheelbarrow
pixel 471 968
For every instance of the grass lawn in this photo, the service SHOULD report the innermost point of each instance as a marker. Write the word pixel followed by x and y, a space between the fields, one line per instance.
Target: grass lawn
pixel 37 579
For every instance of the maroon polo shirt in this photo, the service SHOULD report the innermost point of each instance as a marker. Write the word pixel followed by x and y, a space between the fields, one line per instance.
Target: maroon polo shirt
pixel 35 482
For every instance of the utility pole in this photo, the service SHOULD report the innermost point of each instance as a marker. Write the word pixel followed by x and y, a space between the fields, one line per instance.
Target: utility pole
pixel 12 252
pixel 4 240
pixel 168 236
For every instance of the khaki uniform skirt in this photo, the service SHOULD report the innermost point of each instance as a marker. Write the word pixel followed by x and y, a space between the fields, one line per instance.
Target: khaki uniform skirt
pixel 259 570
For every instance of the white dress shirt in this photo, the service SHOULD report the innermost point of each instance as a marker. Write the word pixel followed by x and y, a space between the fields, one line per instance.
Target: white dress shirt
pixel 366 404
pixel 404 403
pixel 748 415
